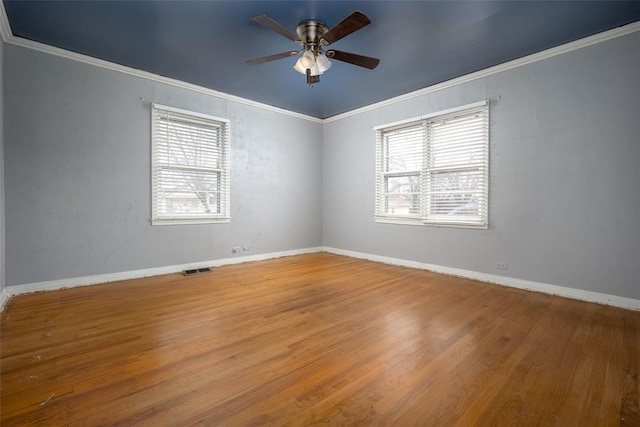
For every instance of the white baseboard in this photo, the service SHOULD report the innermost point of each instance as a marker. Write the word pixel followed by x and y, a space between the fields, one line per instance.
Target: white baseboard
pixel 578 294
pixel 137 274
pixel 4 297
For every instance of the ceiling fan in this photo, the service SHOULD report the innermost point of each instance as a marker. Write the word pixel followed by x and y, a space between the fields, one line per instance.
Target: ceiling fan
pixel 313 36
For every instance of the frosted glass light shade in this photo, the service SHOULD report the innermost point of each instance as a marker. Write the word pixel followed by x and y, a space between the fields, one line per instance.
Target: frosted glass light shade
pixel 299 68
pixel 323 62
pixel 308 59
pixel 315 70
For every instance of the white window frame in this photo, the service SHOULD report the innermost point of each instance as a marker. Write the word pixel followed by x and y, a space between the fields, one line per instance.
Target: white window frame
pixel 475 170
pixel 159 136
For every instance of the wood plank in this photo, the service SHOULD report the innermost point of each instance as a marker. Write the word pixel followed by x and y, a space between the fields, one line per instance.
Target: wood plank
pixel 315 339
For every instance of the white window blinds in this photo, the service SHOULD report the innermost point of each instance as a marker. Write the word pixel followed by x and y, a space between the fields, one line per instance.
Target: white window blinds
pixel 400 157
pixel 435 170
pixel 190 171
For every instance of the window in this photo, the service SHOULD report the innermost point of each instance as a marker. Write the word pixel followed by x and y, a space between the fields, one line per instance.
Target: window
pixel 435 170
pixel 190 170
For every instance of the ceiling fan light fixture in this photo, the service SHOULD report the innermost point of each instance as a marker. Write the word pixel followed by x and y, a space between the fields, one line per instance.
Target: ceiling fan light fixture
pixel 299 68
pixel 315 70
pixel 317 64
pixel 323 62
pixel 308 59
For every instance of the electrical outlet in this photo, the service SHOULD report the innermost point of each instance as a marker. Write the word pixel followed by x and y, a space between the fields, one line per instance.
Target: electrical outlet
pixel 502 266
pixel 236 249
pixel 246 248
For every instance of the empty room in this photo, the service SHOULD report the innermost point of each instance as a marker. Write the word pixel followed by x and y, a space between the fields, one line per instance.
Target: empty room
pixel 289 213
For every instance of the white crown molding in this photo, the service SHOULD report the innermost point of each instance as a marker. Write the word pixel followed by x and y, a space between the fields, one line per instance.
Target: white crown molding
pixel 8 37
pixel 52 285
pixel 529 59
pixel 577 294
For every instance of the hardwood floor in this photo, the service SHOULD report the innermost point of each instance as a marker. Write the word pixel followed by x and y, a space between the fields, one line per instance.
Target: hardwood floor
pixel 315 339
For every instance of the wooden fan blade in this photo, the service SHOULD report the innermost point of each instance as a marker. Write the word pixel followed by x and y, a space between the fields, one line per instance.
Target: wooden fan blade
pixel 270 58
pixel 272 24
pixel 354 58
pixel 348 25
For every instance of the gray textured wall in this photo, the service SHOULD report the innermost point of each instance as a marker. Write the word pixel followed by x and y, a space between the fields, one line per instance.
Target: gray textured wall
pixel 77 151
pixel 564 175
pixel 563 196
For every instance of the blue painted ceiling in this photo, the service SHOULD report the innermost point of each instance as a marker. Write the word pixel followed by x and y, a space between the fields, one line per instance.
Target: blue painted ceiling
pixel 420 43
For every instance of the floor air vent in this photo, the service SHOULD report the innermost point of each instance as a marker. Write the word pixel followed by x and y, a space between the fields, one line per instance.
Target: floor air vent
pixel 196 271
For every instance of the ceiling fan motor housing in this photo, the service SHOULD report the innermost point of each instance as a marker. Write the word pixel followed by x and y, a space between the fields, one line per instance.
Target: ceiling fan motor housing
pixel 310 33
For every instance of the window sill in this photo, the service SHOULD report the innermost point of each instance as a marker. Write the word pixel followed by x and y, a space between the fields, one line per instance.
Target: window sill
pixel 185 221
pixel 420 222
